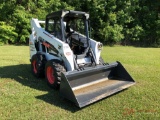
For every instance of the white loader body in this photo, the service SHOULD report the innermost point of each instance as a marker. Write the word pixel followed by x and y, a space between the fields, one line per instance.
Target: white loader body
pixel 70 60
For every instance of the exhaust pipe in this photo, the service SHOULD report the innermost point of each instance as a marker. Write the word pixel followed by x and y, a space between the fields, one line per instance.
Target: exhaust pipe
pixel 94 83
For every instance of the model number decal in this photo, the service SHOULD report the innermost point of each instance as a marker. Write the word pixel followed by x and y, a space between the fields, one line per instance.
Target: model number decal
pixel 68 53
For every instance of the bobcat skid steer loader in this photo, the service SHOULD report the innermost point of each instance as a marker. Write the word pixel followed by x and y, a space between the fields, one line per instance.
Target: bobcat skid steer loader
pixel 71 61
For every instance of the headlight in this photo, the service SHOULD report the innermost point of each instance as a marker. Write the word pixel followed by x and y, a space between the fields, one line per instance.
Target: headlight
pixel 100 46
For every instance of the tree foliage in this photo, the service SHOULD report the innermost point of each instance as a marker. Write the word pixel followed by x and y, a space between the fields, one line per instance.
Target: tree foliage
pixel 128 22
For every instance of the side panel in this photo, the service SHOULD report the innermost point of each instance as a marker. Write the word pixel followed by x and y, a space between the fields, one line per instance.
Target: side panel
pixel 96 51
pixel 32 47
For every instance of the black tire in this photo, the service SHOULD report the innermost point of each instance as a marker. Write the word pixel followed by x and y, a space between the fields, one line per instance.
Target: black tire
pixel 53 71
pixel 38 65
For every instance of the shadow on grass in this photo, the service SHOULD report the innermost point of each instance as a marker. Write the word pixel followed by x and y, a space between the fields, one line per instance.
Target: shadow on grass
pixel 22 74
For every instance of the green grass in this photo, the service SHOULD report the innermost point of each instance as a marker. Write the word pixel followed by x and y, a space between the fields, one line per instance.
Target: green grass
pixel 22 96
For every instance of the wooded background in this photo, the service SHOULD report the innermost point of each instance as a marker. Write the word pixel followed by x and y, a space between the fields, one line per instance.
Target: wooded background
pixel 126 22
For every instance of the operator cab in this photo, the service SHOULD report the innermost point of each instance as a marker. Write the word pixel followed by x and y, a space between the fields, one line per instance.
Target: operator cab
pixel 70 27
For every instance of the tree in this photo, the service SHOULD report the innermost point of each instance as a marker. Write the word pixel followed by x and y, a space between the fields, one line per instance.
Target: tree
pixel 7 33
pixel 129 22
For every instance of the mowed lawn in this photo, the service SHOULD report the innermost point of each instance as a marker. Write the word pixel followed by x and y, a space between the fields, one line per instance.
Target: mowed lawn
pixel 24 97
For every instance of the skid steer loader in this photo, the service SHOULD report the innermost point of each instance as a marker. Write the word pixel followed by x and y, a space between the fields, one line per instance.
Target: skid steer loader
pixel 70 60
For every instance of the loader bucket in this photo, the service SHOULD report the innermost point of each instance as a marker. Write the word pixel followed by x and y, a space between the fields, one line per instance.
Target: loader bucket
pixel 95 83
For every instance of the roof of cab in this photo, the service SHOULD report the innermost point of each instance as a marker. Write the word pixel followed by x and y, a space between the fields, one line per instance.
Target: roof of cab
pixel 68 13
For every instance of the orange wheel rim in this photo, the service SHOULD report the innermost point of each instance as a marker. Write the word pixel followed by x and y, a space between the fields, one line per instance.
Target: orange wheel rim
pixel 50 77
pixel 34 66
